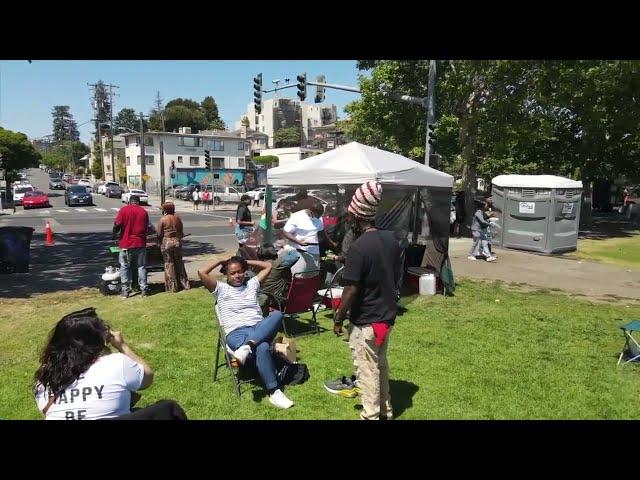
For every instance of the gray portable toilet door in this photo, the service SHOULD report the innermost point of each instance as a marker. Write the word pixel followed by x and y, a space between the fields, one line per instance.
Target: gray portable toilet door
pixel 527 225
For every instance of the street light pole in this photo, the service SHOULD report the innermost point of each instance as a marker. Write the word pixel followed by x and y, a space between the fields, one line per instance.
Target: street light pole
pixel 143 166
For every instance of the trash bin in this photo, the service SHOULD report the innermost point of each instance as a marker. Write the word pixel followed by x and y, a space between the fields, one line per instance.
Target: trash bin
pixel 15 243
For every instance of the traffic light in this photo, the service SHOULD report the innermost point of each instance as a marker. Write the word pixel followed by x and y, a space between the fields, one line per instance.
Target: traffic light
pixel 320 90
pixel 257 92
pixel 173 164
pixel 207 160
pixel 302 87
pixel 431 135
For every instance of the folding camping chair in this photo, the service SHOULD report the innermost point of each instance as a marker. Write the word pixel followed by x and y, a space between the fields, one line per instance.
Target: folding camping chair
pixel 332 295
pixel 300 298
pixel 631 347
pixel 240 374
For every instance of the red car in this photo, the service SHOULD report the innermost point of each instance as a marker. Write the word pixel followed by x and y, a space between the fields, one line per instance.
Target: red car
pixel 35 199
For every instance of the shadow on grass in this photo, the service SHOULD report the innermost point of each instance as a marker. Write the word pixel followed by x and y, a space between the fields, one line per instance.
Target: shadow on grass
pixel 608 225
pixel 402 393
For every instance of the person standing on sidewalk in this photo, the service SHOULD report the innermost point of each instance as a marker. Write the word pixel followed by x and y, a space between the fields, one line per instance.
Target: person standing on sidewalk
pixel 479 227
pixel 371 276
pixel 131 224
pixel 256 198
pixel 196 198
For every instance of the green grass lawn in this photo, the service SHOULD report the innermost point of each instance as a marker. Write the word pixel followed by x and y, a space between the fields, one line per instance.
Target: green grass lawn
pixel 487 353
pixel 618 251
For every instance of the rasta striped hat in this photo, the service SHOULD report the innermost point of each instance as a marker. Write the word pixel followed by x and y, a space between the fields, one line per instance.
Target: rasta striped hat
pixel 364 203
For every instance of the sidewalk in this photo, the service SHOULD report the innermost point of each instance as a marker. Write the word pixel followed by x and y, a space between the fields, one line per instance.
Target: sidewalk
pixel 595 281
pixel 186 206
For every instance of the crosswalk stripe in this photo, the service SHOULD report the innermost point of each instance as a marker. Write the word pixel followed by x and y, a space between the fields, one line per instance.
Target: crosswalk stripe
pixel 101 209
pixel 116 209
pixel 44 212
pixel 81 210
pixel 62 211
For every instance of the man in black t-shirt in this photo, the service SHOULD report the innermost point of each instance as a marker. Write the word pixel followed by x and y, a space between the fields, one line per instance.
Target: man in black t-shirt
pixel 371 276
pixel 244 223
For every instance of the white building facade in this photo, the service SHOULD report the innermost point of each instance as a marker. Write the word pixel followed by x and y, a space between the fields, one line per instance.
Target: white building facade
pixel 184 151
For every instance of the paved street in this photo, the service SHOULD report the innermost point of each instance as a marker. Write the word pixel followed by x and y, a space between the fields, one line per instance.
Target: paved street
pixel 83 235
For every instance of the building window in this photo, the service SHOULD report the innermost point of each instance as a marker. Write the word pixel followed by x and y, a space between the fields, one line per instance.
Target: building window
pixel 194 161
pixel 148 159
pixel 179 158
pixel 128 161
pixel 241 163
pixel 108 168
pixel 241 146
pixel 217 162
pixel 126 141
pixel 217 145
pixel 190 141
pixel 148 141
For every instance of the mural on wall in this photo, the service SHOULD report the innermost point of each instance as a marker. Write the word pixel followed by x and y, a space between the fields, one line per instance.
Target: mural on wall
pixel 221 177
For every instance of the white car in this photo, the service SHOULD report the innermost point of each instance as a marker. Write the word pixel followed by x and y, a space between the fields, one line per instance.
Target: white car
pixel 85 182
pixel 103 187
pixel 262 191
pixel 19 191
pixel 144 197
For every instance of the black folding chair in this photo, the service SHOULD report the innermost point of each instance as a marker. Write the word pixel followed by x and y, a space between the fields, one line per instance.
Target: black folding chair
pixel 241 374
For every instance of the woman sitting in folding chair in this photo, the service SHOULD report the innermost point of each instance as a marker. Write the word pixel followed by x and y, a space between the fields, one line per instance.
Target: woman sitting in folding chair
pixel 247 332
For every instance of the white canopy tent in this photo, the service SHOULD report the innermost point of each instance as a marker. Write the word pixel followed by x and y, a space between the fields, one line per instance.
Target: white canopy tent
pixel 417 198
pixel 354 164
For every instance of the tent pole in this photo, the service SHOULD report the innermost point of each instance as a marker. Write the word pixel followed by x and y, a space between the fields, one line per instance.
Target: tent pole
pixel 268 234
pixel 416 217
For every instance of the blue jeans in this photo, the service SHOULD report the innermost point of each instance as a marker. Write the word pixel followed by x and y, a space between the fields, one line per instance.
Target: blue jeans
pixel 133 258
pixel 262 334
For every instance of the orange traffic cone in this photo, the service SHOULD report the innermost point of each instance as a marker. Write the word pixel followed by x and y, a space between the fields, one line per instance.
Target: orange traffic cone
pixel 49 234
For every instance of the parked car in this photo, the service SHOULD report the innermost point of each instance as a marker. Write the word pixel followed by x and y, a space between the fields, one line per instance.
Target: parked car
pixel 185 192
pixel 102 188
pixel 19 192
pixel 35 199
pixel 114 191
pixel 77 195
pixel 262 191
pixel 228 194
pixel 56 184
pixel 144 197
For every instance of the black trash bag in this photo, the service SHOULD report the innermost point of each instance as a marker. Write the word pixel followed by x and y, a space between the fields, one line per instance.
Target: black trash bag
pixel 289 373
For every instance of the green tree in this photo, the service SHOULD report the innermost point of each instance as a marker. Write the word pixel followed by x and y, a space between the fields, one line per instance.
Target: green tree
pixel 177 116
pixel 287 137
pixel 210 109
pixel 64 127
pixel 245 121
pixel 126 119
pixel 268 160
pixel 96 165
pixel 17 151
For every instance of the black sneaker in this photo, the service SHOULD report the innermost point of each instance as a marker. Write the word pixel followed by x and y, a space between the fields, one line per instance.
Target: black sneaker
pixel 345 387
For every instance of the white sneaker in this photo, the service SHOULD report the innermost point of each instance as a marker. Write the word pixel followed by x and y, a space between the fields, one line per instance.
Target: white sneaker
pixel 242 353
pixel 471 257
pixel 491 259
pixel 280 400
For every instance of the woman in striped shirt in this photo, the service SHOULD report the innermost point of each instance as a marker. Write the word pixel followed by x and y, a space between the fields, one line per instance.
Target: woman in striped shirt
pixel 248 333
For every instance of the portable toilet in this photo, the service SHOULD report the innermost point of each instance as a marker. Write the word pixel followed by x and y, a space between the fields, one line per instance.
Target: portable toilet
pixel 539 213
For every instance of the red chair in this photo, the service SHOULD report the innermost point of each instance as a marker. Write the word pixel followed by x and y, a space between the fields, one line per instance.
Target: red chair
pixel 300 298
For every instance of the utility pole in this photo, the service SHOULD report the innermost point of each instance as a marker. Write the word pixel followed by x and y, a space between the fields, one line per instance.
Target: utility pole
pixel 113 148
pixel 143 166
pixel 162 197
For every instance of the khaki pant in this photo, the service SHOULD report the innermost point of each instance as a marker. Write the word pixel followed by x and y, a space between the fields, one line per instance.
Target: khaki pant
pixel 372 371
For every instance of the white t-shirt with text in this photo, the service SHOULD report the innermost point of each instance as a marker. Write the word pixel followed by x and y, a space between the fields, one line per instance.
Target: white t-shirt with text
pixel 304 227
pixel 103 391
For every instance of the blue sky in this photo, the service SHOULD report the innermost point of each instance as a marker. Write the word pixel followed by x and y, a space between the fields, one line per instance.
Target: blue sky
pixel 28 92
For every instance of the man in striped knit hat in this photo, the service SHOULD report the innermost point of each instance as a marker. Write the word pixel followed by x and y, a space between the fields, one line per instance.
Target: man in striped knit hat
pixel 372 271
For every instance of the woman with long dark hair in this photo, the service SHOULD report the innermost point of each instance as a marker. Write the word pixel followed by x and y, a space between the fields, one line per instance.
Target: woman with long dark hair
pixel 79 378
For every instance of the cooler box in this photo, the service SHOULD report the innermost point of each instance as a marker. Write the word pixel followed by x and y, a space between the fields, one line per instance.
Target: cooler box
pixel 421 280
pixel 328 301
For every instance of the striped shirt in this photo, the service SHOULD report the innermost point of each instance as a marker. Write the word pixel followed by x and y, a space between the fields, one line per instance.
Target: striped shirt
pixel 238 305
